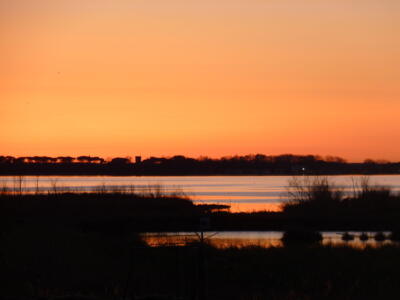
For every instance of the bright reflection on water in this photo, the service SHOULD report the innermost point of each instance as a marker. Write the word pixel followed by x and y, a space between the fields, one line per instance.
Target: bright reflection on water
pixel 265 239
pixel 242 193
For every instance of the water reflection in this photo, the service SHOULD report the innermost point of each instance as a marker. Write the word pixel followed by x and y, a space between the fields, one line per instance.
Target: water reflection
pixel 264 239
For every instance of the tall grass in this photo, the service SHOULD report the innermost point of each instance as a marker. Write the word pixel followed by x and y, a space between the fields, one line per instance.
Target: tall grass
pixel 149 191
pixel 100 202
pixel 320 195
pixel 3 189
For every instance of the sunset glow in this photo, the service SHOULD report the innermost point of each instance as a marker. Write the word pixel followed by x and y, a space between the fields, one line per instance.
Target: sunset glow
pixel 157 77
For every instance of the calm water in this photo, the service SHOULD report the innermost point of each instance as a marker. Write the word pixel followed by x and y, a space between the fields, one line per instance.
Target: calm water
pixel 242 193
pixel 263 239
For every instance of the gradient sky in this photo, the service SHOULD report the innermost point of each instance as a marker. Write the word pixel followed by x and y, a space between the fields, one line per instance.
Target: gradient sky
pixel 220 77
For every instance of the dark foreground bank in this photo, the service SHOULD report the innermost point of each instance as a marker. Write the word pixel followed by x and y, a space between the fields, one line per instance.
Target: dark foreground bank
pixel 39 262
pixel 55 245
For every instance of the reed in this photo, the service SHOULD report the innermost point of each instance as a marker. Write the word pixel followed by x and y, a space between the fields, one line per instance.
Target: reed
pixel 318 196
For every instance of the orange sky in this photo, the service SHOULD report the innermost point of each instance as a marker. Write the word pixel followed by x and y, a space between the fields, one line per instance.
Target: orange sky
pixel 210 77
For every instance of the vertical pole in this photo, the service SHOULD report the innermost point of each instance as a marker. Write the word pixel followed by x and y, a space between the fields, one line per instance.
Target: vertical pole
pixel 202 271
pixel 130 273
pixel 178 274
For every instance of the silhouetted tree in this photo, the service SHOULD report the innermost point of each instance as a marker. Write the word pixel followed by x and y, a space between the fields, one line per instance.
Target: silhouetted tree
pixel 65 159
pixel 83 159
pixel 120 161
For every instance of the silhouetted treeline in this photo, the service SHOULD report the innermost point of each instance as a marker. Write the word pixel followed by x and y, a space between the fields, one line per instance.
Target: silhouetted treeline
pixel 258 164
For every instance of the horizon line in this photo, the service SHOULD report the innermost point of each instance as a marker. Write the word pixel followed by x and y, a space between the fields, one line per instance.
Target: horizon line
pixel 201 157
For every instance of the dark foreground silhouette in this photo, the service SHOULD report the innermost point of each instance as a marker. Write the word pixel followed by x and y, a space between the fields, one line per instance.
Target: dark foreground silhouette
pixel 87 245
pixel 259 164
pixel 41 262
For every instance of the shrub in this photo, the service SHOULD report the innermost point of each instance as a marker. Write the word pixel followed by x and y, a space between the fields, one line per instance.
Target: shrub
pixel 299 236
pixel 315 195
pixel 347 237
pixel 380 237
pixel 395 235
pixel 364 237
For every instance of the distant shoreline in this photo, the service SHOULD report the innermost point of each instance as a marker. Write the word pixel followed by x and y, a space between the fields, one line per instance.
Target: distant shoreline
pixel 11 174
pixel 249 165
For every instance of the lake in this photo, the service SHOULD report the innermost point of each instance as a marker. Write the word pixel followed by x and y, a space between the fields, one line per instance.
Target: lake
pixel 242 193
pixel 264 239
